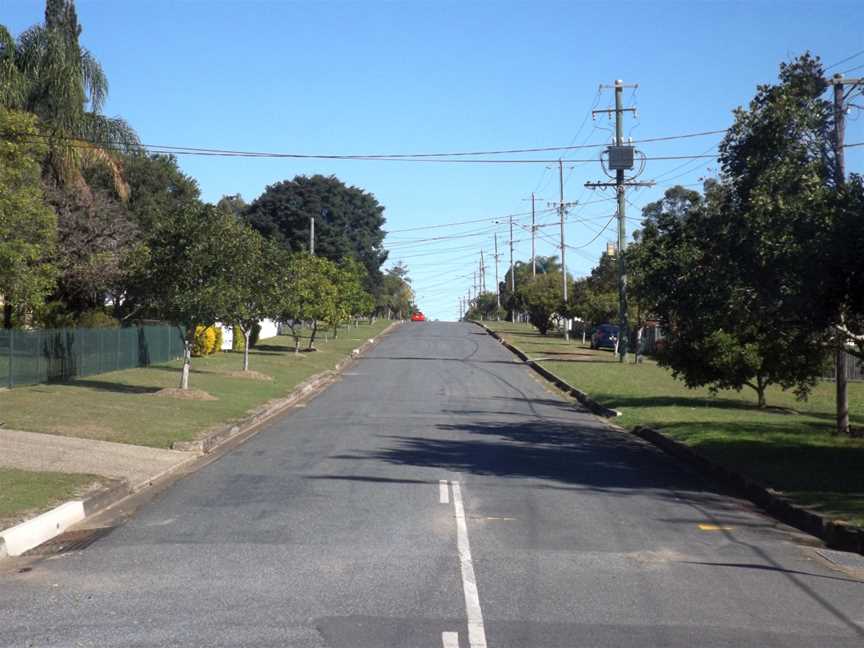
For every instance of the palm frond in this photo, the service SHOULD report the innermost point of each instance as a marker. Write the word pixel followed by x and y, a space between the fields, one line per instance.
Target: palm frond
pixel 110 132
pixel 93 80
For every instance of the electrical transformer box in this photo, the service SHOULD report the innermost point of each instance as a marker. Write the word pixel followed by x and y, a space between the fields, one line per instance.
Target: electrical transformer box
pixel 620 157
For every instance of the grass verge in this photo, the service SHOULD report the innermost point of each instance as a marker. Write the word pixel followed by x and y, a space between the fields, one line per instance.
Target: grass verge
pixel 24 494
pixel 788 446
pixel 123 406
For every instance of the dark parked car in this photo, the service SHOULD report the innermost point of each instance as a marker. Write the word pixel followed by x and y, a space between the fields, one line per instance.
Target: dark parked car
pixel 605 337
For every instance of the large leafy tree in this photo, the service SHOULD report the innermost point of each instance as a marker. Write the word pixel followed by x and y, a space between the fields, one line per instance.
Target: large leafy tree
pixel 50 74
pixel 395 297
pixel 348 220
pixel 158 190
pixel 736 277
pixel 28 227
pixel 847 266
pixel 99 245
pixel 523 272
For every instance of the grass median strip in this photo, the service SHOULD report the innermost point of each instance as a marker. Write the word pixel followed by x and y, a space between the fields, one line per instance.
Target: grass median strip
pixel 787 446
pixel 25 493
pixel 123 406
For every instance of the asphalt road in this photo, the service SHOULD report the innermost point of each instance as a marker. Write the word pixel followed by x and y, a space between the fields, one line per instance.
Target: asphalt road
pixel 331 527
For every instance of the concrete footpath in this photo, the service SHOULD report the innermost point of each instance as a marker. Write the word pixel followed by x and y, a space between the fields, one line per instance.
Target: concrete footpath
pixel 137 465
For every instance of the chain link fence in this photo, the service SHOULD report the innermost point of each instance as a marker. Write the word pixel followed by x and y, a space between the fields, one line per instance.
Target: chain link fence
pixel 854 368
pixel 46 355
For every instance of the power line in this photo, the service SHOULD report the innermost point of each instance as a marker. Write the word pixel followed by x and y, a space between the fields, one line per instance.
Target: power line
pixel 468 222
pixel 412 242
pixel 413 157
pixel 848 58
pixel 605 227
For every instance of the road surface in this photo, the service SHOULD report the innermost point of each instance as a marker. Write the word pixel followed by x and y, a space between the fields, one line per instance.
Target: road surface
pixel 438 495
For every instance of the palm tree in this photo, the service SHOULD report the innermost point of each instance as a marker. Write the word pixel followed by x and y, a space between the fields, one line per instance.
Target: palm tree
pixel 48 73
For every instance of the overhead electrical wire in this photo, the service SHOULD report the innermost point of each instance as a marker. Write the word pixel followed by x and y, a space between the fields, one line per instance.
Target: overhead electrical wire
pixel 840 62
pixel 468 222
pixel 413 242
pixel 411 157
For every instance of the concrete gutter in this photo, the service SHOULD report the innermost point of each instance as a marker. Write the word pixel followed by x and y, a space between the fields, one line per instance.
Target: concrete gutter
pixel 836 535
pixel 32 533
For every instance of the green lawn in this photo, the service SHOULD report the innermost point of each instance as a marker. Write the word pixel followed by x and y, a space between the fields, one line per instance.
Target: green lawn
pixel 788 446
pixel 121 405
pixel 24 494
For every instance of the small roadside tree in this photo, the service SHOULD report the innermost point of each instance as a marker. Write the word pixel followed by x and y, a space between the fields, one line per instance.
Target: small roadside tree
pixel 190 275
pixel 253 293
pixel 542 297
pixel 306 294
pixel 350 298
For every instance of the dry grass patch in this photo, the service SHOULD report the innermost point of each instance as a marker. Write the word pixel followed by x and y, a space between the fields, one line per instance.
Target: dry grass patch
pixel 186 394
pixel 249 375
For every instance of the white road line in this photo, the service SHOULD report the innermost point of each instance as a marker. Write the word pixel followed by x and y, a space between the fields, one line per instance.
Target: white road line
pixel 476 631
pixel 443 491
pixel 450 639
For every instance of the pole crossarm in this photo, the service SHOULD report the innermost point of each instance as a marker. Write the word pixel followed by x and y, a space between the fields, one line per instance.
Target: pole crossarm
pixel 631 183
pixel 610 111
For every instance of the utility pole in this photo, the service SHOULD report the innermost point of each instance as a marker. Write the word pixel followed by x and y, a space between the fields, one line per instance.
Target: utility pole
pixel 512 270
pixel 563 262
pixel 620 160
pixel 497 287
pixel 562 211
pixel 312 235
pixel 839 84
pixel 482 273
pixel 533 233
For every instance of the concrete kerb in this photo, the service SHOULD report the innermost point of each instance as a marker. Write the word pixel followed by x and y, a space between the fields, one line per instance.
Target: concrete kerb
pixel 584 399
pixel 31 533
pixel 20 538
pixel 836 535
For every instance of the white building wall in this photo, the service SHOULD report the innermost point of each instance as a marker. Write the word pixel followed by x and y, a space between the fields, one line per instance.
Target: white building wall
pixel 269 329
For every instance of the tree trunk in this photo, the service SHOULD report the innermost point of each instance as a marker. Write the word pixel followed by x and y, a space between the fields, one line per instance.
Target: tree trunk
pixel 246 334
pixel 7 315
pixel 335 330
pixel 843 428
pixel 187 363
pixel 314 331
pixel 760 391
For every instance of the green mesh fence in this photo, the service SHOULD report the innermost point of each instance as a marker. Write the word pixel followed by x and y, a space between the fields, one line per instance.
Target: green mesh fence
pixel 32 357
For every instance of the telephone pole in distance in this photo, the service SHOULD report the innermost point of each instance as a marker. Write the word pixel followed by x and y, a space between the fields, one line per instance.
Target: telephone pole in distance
pixel 620 159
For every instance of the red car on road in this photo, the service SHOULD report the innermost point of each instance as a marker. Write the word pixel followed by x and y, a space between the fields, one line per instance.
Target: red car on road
pixel 418 317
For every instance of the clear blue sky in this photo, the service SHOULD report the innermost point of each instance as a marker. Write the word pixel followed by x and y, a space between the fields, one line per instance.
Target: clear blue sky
pixel 411 77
